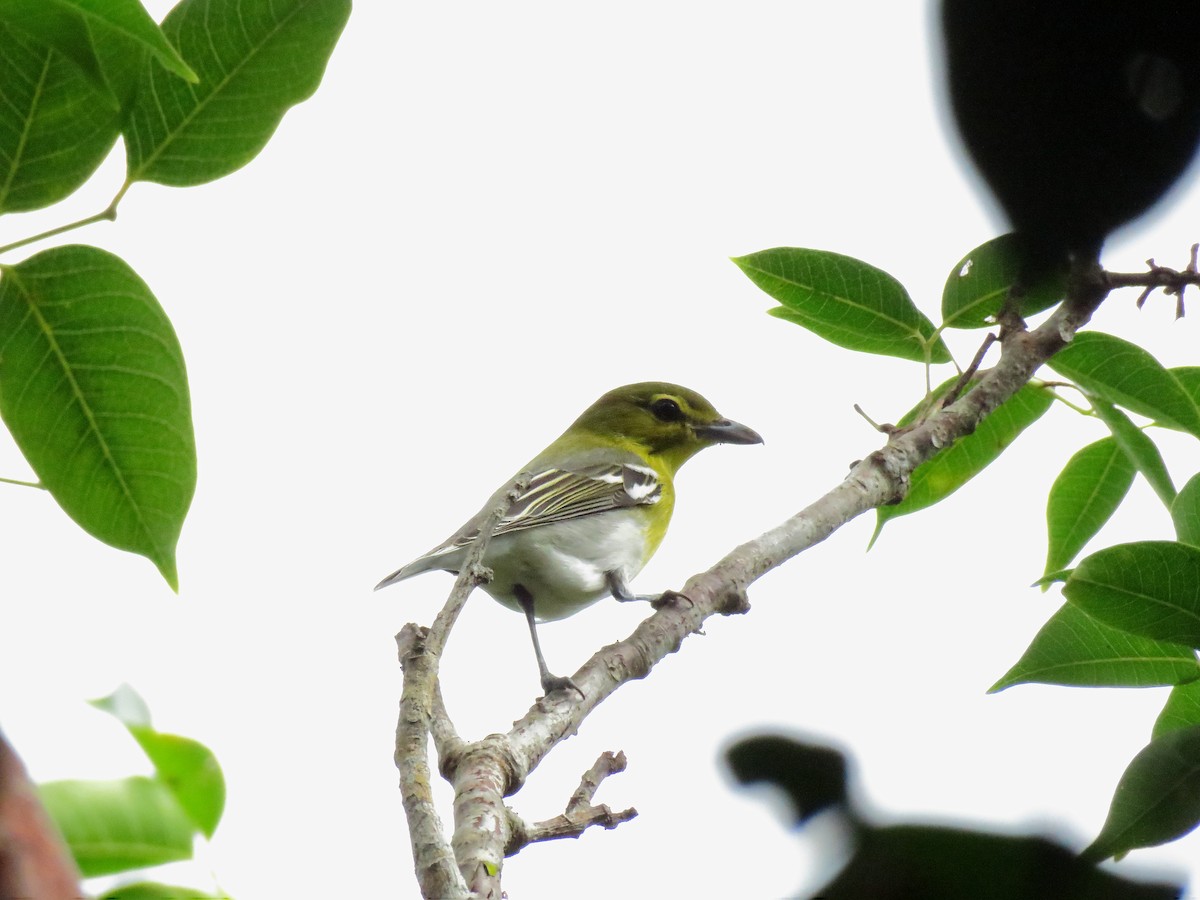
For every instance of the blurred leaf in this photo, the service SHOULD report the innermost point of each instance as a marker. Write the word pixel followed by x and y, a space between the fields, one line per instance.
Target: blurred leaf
pixel 979 284
pixel 846 301
pixel 1142 451
pixel 190 770
pixel 256 59
pixel 1185 512
pixel 187 767
pixel 1076 650
pixel 149 890
pixel 924 862
pixel 55 126
pixel 956 465
pixel 126 705
pixel 1151 588
pixel 813 776
pixel 1157 799
pixel 1084 496
pixel 93 389
pixel 1123 373
pixel 114 826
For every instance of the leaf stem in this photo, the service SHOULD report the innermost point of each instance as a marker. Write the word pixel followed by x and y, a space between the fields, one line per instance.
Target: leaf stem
pixel 1083 411
pixel 17 481
pixel 108 214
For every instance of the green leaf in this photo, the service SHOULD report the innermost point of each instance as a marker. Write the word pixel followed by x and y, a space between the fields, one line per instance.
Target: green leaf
pixel 93 389
pixel 190 770
pixel 130 19
pixel 1189 379
pixel 1151 588
pixel 941 476
pixel 1123 373
pixel 846 301
pixel 150 890
pixel 1182 709
pixel 1157 798
pixel 1185 512
pixel 69 26
pixel 114 826
pixel 255 59
pixel 977 287
pixel 1084 496
pixel 1142 451
pixel 1076 650
pixel 1052 578
pixel 186 767
pixel 54 25
pixel 55 126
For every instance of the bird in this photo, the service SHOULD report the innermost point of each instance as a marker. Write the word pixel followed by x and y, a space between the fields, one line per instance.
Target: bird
pixel 1079 114
pixel 594 508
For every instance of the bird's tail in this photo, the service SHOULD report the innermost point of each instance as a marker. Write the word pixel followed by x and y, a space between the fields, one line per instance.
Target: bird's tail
pixel 400 574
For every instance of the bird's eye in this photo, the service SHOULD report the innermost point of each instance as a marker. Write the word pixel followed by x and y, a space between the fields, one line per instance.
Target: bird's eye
pixel 666 409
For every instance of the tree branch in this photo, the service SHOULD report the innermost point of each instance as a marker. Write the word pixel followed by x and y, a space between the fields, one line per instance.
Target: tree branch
pixel 485 772
pixel 580 814
pixel 420 651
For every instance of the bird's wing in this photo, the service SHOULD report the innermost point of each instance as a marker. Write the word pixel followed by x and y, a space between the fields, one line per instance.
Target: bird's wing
pixel 552 495
pixel 558 494
pixel 555 495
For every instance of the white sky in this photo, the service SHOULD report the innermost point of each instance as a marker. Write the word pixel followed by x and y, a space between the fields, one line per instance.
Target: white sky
pixel 488 216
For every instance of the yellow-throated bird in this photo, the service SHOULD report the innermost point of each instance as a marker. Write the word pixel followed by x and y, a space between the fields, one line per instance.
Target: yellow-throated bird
pixel 596 508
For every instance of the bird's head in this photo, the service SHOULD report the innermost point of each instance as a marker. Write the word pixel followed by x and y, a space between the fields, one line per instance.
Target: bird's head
pixel 667 420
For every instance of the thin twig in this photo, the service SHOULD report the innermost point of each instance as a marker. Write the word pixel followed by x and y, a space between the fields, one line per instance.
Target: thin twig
pixel 580 814
pixel 965 378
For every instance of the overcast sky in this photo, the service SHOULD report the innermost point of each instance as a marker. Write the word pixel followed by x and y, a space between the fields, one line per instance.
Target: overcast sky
pixel 488 216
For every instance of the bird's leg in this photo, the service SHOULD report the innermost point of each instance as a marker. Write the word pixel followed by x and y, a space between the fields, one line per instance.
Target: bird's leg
pixel 620 591
pixel 550 683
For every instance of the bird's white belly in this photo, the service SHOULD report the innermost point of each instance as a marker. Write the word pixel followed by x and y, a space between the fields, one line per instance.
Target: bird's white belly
pixel 564 566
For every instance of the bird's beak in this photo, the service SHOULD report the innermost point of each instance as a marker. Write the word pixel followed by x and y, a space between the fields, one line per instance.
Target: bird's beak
pixel 725 431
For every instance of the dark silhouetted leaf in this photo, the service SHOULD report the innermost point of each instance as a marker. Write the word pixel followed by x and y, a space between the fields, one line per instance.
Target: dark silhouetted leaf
pixel 813 776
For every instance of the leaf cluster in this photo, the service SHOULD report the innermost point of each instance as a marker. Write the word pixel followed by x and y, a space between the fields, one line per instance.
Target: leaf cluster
pixel 93 385
pixel 1132 616
pixel 131 823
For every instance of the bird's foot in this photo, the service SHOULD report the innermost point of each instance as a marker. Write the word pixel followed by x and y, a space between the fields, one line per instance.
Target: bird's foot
pixel 671 598
pixel 552 683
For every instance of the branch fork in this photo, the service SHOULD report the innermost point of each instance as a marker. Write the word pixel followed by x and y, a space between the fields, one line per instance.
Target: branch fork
pixel 483 773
